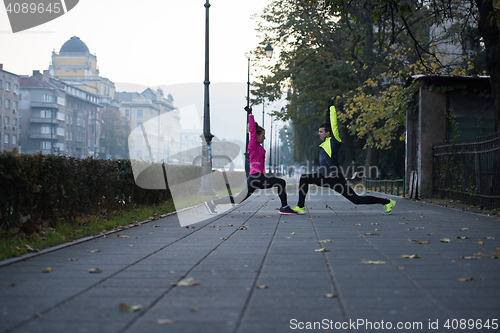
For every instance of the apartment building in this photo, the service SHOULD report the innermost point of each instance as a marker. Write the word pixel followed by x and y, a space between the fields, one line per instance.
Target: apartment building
pixel 9 110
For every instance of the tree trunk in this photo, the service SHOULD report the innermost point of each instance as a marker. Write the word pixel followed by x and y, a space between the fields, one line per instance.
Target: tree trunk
pixel 372 161
pixel 491 36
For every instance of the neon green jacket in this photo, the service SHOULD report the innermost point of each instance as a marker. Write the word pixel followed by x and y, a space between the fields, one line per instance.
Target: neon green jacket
pixel 329 149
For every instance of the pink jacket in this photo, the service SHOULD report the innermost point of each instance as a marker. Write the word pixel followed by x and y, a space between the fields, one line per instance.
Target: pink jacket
pixel 255 150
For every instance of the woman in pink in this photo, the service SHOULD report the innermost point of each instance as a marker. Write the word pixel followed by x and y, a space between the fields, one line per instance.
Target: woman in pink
pixel 257 178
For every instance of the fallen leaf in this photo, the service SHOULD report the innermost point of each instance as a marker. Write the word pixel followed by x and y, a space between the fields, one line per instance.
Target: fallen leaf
pixel 470 257
pixel 294 233
pixel 464 229
pixel 223 238
pixel 356 223
pixel 463 237
pixel 10 284
pixel 419 227
pixel 322 250
pixel 371 233
pixel 164 321
pixel 29 248
pixel 194 309
pixel 445 240
pixel 189 282
pixel 261 286
pixel 73 259
pixel 93 251
pixel 38 315
pixel 229 225
pixel 373 262
pixel 325 241
pixel 480 242
pixel 48 270
pixel 155 226
pixel 421 242
pixel 122 236
pixel 331 295
pixel 430 234
pixel 95 270
pixel 413 256
pixel 470 278
pixel 130 308
pixel 375 223
pixel 488 237
pixel 479 254
pixel 495 255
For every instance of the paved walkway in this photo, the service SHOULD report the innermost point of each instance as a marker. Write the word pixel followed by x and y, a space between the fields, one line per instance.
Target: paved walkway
pixel 258 271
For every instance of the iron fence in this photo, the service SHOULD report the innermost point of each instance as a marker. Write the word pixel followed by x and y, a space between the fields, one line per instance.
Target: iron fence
pixel 388 186
pixel 469 170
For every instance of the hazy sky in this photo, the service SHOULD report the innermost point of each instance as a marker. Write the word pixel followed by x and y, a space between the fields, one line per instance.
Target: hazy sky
pixel 148 42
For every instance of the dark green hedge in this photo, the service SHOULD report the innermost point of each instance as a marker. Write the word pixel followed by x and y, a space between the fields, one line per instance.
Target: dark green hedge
pixel 38 187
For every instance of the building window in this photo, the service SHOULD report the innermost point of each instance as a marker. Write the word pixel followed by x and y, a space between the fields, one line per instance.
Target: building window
pixel 7 121
pixel 60 131
pixel 14 140
pixel 45 114
pixel 7 86
pixel 140 114
pixel 1 87
pixel 45 145
pixel 16 87
pixel 45 130
pixel 138 123
pixel 127 113
pixel 14 105
pixel 7 103
pixel 14 121
pixel 47 99
pixel 6 138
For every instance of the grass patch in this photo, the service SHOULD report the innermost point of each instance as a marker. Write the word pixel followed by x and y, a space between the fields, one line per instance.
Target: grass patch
pixel 13 245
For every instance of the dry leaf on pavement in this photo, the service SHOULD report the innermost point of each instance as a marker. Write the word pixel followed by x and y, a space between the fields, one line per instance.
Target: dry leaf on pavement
pixel 164 321
pixel 413 256
pixel 261 286
pixel 322 250
pixel 373 262
pixel 48 270
pixel 325 241
pixel 465 279
pixel 331 295
pixel 445 240
pixel 189 282
pixel 95 270
pixel 421 242
pixel 130 308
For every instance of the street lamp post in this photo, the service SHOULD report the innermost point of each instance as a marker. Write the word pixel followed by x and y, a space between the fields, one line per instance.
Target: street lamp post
pixel 271 149
pixel 269 53
pixel 206 187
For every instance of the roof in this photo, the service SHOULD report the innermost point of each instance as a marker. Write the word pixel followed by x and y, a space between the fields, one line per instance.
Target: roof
pixel 31 82
pixel 74 44
pixel 438 78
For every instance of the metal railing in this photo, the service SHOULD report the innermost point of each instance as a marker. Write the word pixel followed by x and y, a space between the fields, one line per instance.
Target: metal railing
pixel 387 186
pixel 469 170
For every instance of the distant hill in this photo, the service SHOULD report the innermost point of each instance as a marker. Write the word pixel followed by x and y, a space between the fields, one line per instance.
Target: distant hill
pixel 227 100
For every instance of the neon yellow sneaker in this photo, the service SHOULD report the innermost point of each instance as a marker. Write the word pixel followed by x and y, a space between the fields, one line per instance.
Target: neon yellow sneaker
pixel 299 210
pixel 388 207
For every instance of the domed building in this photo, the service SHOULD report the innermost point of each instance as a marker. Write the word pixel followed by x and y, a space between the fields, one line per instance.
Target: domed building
pixel 75 64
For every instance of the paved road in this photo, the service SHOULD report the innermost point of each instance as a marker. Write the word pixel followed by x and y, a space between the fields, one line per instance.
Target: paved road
pixel 258 271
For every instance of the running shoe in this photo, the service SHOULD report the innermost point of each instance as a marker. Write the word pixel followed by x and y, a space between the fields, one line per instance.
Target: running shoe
pixel 211 207
pixel 388 207
pixel 287 210
pixel 299 210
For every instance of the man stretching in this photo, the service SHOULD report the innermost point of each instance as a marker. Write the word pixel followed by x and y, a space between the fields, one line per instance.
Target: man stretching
pixel 329 174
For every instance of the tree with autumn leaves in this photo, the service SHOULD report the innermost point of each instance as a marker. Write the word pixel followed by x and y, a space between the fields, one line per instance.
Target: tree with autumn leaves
pixel 360 54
